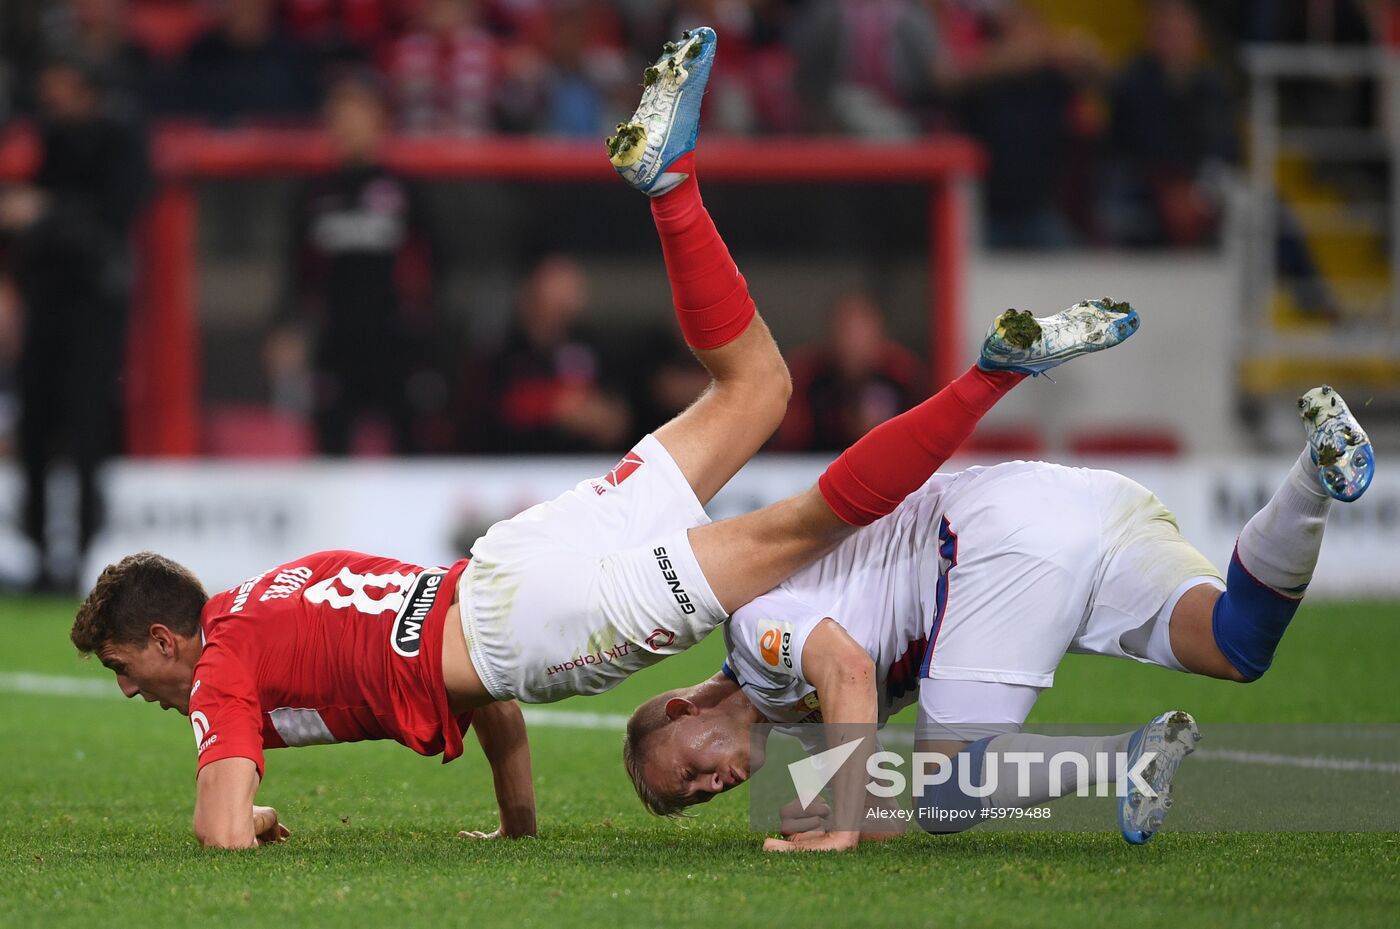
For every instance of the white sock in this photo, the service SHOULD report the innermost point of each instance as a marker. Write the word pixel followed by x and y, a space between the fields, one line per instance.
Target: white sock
pixel 1280 544
pixel 1029 783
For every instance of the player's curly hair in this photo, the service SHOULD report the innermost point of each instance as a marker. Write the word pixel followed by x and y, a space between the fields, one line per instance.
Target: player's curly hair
pixel 133 593
pixel 646 720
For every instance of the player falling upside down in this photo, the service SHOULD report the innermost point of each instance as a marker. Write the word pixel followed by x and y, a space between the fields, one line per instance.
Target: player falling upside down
pixel 568 597
pixel 967 596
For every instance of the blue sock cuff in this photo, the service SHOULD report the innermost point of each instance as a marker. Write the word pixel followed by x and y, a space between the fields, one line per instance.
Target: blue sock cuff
pixel 959 811
pixel 1249 620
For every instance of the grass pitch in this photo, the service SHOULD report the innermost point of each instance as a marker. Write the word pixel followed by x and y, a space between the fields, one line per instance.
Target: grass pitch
pixel 99 792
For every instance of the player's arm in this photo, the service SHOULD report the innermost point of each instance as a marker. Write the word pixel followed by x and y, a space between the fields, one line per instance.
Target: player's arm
pixel 844 676
pixel 500 728
pixel 224 814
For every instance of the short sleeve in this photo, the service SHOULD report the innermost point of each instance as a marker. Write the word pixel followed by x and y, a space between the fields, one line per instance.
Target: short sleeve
pixel 224 709
pixel 764 641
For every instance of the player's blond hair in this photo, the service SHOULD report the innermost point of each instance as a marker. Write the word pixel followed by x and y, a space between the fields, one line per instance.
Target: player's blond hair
pixel 140 589
pixel 646 720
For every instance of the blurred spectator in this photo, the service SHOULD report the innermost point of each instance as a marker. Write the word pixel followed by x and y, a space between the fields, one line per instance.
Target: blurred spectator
pixel 860 63
pixel 97 32
pixel 72 267
pixel 854 380
pixel 362 283
pixel 753 84
pixel 245 68
pixel 1017 93
pixel 345 32
pixel 1173 130
pixel 549 387
pixel 20 48
pixel 445 71
pixel 662 375
pixel 559 79
pixel 1341 22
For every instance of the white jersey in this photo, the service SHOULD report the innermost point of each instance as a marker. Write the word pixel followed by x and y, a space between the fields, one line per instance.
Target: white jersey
pixel 990 574
pixel 879 584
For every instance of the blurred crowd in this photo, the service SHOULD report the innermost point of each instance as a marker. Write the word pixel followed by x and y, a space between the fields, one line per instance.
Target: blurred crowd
pixel 1081 149
pixel 1082 146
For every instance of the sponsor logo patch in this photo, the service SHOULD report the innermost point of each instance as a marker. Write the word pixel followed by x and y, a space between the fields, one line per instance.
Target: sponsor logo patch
pixel 620 472
pixel 775 644
pixel 668 571
pixel 768 646
pixel 630 462
pixel 406 636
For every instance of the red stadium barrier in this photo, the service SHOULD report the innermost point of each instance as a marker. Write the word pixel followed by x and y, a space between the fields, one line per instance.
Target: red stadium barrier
pixel 163 396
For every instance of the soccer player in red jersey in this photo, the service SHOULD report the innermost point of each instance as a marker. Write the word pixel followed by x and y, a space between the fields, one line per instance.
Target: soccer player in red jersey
pixel 570 596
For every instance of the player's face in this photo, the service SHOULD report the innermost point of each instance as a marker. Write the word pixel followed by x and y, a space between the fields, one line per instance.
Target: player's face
pixel 697 757
pixel 146 671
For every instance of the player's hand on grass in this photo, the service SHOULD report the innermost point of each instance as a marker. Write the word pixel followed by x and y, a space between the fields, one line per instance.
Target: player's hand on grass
pixel 497 833
pixel 266 826
pixel 814 842
pixel 795 818
pixel 519 826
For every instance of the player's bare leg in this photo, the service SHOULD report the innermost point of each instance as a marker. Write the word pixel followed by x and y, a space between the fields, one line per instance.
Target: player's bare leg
pixel 1233 635
pixel 655 153
pixel 746 556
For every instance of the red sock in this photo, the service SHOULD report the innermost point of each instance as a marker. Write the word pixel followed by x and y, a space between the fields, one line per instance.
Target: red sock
pixel 711 296
pixel 894 459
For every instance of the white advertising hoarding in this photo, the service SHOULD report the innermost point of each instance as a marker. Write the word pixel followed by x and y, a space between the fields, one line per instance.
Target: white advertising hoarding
pixel 228 521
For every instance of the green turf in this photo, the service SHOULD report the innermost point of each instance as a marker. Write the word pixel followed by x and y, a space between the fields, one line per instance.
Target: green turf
pixel 97 802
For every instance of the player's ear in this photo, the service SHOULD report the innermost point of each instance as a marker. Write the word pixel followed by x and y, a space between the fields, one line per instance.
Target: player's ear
pixel 677 707
pixel 163 638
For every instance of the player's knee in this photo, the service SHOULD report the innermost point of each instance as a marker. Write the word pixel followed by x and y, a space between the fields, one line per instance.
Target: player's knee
pixel 774 380
pixel 783 378
pixel 948 806
pixel 1233 673
pixel 945 809
pixel 761 389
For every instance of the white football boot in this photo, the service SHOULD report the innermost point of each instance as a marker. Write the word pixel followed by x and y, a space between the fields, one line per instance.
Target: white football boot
pixel 1019 342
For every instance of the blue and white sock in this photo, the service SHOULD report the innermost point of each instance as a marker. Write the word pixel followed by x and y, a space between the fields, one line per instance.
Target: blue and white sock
pixel 1272 566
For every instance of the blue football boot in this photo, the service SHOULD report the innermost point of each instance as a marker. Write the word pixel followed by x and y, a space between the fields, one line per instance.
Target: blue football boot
pixel 667 121
pixel 1345 461
pixel 1170 737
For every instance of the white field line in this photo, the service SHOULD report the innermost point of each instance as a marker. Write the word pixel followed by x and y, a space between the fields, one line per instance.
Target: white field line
pixel 575 719
pixel 60 685
pixel 57 685
pixel 1316 762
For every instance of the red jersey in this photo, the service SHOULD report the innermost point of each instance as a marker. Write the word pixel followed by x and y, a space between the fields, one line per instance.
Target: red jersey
pixel 333 647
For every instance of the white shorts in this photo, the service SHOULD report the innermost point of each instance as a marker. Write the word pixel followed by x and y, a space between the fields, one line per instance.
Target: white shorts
pixel 1047 559
pixel 573 595
pixel 965 711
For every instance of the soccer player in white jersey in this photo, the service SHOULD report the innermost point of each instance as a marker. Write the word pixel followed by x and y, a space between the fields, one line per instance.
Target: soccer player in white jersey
pixel 570 596
pixel 966 597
